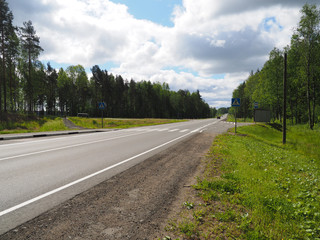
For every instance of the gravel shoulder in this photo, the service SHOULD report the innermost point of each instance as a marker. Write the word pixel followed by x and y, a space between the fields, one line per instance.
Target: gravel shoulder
pixel 135 204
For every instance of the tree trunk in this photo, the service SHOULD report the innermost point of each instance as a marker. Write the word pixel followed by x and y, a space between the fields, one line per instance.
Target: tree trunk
pixel 3 68
pixel 15 104
pixel 10 85
pixel 308 93
pixel 29 86
pixel 313 100
pixel 4 83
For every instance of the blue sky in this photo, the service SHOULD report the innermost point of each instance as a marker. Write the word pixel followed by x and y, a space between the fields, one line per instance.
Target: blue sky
pixel 159 11
pixel 206 45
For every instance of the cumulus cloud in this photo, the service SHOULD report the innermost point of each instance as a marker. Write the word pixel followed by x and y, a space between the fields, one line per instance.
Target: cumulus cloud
pixel 209 37
pixel 246 36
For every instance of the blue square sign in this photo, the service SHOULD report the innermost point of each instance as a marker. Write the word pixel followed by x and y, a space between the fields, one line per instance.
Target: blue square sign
pixel 102 105
pixel 235 102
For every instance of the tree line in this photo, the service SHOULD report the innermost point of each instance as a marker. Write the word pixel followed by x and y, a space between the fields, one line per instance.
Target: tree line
pixel 265 86
pixel 28 85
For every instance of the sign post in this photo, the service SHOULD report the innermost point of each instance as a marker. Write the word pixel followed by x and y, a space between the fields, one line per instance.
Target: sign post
pixel 255 106
pixel 235 121
pixel 102 106
pixel 235 102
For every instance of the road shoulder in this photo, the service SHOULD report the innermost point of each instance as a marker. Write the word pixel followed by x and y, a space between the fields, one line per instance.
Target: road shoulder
pixel 132 205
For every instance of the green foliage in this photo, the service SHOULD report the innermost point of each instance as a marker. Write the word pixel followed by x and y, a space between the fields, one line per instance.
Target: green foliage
pixel 199 216
pixel 23 123
pixel 188 205
pixel 144 99
pixel 30 50
pixel 55 124
pixel 222 111
pixel 303 82
pixel 219 185
pixel 277 185
pixel 231 118
pixel 226 216
pixel 189 229
pixel 119 123
pixel 33 87
pixel 254 187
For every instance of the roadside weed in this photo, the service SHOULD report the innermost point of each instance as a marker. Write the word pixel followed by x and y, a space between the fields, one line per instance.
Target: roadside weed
pixel 189 229
pixel 55 124
pixel 198 215
pixel 189 205
pixel 119 123
pixel 23 124
pixel 254 187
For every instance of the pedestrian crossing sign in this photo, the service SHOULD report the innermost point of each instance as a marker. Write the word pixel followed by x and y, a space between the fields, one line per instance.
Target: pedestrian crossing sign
pixel 235 102
pixel 102 105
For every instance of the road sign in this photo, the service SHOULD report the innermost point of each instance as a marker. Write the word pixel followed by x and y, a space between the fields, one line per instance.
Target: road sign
pixel 256 105
pixel 102 105
pixel 235 102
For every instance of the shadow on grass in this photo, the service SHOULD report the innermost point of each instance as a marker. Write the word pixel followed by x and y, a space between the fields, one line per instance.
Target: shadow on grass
pixel 276 126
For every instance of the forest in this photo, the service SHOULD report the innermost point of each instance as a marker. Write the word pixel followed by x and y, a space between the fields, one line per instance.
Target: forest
pixel 29 86
pixel 265 86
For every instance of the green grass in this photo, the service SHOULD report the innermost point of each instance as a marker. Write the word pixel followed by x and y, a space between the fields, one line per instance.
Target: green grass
pixel 22 123
pixel 25 124
pixel 231 118
pixel 254 187
pixel 118 123
pixel 53 125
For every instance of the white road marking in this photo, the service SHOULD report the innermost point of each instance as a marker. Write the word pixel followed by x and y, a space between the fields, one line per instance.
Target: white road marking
pixel 84 178
pixel 53 139
pixel 184 130
pixel 14 208
pixel 66 147
pixel 174 130
pixel 163 129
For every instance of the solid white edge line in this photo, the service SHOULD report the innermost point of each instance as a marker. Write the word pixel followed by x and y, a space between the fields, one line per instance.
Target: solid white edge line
pixel 83 179
pixel 90 176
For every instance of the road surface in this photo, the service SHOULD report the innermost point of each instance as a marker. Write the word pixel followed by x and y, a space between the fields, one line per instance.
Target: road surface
pixel 36 175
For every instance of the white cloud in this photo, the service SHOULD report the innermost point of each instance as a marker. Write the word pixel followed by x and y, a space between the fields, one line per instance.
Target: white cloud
pixel 209 37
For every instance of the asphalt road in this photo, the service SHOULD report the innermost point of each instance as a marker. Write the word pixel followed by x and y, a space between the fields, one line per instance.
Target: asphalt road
pixel 37 174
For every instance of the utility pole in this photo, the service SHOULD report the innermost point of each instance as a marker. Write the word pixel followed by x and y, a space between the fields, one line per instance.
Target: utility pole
pixel 284 125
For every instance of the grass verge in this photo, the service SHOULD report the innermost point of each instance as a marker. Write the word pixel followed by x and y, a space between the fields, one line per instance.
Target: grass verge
pixel 231 118
pixel 256 188
pixel 24 124
pixel 119 123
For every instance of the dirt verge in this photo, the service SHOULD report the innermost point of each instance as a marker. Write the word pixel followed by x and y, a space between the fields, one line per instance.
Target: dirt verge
pixel 71 125
pixel 132 205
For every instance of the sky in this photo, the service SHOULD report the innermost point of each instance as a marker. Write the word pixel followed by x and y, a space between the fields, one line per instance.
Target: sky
pixel 206 45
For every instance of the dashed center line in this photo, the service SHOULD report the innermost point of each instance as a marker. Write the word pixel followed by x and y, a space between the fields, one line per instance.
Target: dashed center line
pixel 184 130
pixel 161 130
pixel 174 130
